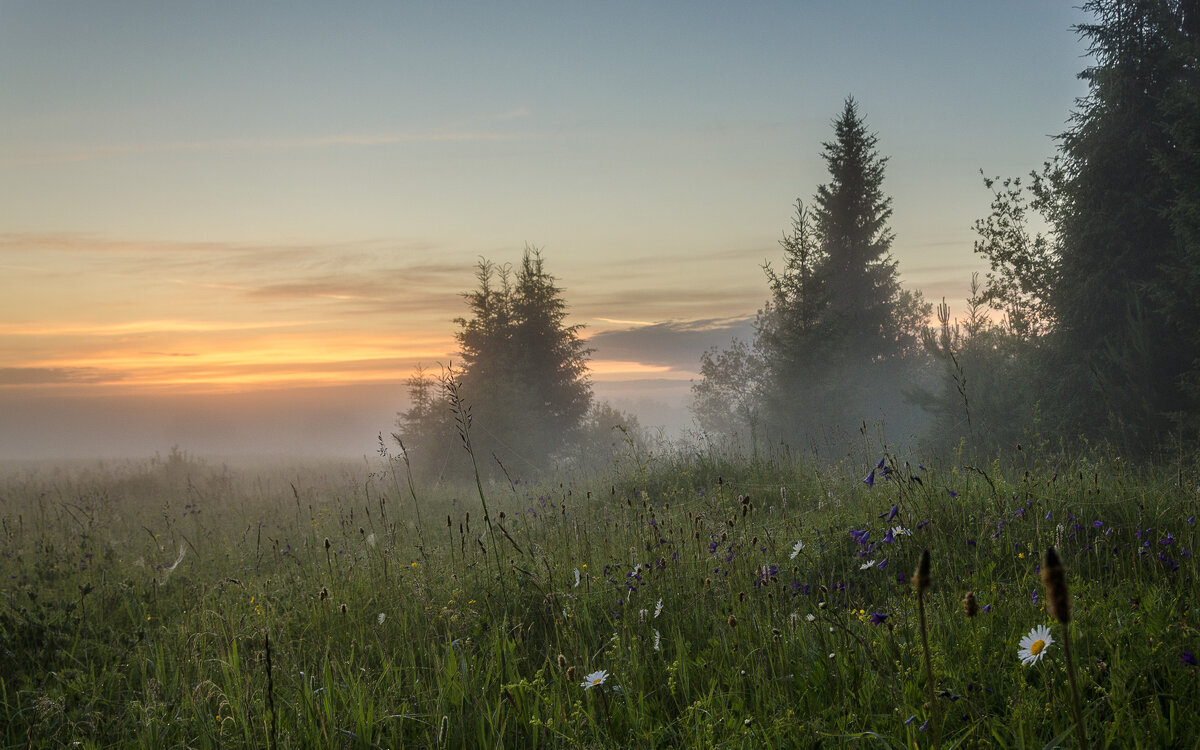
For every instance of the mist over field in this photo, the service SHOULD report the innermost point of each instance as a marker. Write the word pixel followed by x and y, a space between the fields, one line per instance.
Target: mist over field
pixel 767 375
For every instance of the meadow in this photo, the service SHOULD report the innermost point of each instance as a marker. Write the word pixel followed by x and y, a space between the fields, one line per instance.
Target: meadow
pixel 678 599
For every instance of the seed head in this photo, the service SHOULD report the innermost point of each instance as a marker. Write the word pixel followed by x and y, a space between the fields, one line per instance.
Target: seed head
pixel 562 662
pixel 327 544
pixel 920 578
pixel 1054 578
pixel 970 604
pixel 732 621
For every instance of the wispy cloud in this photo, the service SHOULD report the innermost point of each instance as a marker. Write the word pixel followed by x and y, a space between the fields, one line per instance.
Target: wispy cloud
pixel 19 376
pixel 143 327
pixel 77 154
pixel 674 344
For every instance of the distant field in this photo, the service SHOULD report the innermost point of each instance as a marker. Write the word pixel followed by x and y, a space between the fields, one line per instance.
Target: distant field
pixel 687 600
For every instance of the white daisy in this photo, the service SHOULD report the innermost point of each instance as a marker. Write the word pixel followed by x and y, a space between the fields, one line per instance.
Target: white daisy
pixel 595 678
pixel 658 608
pixel 577 578
pixel 1033 646
pixel 796 549
pixel 866 565
pixel 382 617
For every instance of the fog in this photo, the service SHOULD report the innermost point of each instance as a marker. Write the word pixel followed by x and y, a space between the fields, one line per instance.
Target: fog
pixel 333 421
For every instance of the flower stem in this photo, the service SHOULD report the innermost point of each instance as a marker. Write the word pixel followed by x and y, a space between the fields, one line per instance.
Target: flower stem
pixel 933 724
pixel 1079 728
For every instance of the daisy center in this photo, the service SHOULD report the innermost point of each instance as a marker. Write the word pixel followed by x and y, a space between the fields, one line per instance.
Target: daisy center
pixel 1036 647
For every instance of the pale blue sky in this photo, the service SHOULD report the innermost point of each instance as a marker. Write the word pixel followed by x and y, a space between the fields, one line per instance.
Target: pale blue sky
pixel 339 167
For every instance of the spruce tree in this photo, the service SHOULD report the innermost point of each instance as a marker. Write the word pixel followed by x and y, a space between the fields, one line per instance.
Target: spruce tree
pixel 523 370
pixel 550 355
pixel 860 278
pixel 1126 289
pixel 839 334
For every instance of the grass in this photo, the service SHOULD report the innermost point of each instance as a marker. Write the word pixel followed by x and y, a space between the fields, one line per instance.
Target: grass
pixel 457 635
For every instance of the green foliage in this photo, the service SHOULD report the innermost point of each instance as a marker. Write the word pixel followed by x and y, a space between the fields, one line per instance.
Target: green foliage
pixel 522 374
pixel 1114 287
pixel 838 333
pixel 1099 307
pixel 1024 267
pixel 865 313
pixel 984 393
pixel 728 398
pixel 385 639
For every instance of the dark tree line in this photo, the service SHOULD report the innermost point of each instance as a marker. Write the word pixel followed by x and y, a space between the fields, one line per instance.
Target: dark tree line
pixel 1086 331
pixel 1100 313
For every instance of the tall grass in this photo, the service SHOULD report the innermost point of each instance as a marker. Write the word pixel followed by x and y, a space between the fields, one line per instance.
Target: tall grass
pixel 710 630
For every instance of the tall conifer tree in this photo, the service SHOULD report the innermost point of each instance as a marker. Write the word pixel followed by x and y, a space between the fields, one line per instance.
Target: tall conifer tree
pixel 1126 289
pixel 839 333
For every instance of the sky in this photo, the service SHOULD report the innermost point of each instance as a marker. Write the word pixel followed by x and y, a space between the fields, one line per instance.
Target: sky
pixel 238 227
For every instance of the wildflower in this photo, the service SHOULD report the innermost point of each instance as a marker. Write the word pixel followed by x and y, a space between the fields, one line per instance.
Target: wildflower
pixel 1187 658
pixel 867 564
pixel 382 617
pixel 893 513
pixel 658 608
pixel 877 618
pixel 595 678
pixel 900 531
pixel 1033 646
pixel 869 480
pixel 796 549
pixel 577 578
pixel 810 617
pixel 657 641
